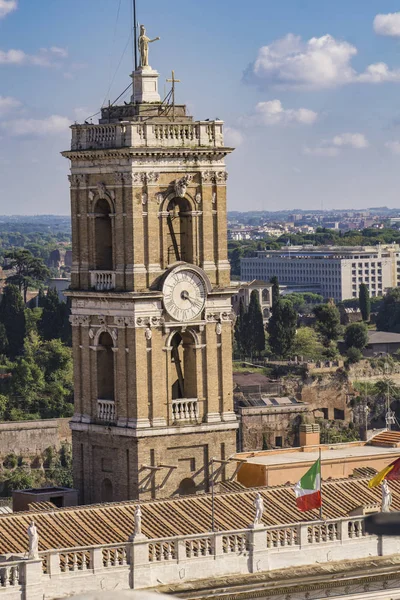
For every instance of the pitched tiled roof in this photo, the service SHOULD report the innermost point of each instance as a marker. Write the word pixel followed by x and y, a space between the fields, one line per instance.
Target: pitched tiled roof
pixel 113 523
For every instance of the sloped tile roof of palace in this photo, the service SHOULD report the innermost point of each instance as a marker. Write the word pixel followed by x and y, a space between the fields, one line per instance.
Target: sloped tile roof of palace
pixel 113 523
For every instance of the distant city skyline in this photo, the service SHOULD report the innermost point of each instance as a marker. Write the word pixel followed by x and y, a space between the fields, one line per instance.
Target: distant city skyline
pixel 308 92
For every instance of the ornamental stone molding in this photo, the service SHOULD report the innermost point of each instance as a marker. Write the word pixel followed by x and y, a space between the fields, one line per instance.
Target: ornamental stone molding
pixel 152 177
pixel 198 198
pixel 218 317
pixel 159 197
pixel 144 199
pixel 180 185
pixel 218 329
pixel 214 177
pixel 148 333
pixel 214 197
pixel 119 178
pixel 149 321
pixel 78 179
pixel 76 320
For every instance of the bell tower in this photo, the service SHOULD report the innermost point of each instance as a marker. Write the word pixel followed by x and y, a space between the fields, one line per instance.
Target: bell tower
pixel 151 304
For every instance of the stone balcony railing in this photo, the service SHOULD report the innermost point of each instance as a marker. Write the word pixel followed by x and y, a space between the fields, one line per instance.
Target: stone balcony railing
pixel 151 135
pixel 102 281
pixel 144 563
pixel 106 410
pixel 185 409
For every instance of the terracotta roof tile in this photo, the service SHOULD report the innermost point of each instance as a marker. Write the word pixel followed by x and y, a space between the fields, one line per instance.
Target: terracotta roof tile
pixel 113 523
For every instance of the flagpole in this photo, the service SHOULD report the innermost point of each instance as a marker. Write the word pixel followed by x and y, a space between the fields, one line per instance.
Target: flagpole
pixel 320 483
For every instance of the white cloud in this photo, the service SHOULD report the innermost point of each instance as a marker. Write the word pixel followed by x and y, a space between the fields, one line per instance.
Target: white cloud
pixel 62 52
pixel 272 112
pixel 318 63
pixel 352 140
pixel 393 146
pixel 46 57
pixel 387 24
pixel 332 147
pixel 379 73
pixel 6 7
pixel 233 137
pixel 8 104
pixel 321 151
pixel 53 125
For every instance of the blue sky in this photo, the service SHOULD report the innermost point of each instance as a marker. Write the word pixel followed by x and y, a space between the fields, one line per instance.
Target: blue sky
pixel 309 91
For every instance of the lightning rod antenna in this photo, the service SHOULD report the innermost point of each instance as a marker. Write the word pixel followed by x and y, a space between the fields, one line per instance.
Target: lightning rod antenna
pixel 135 34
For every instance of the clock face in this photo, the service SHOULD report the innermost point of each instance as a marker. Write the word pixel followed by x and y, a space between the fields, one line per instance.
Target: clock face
pixel 184 295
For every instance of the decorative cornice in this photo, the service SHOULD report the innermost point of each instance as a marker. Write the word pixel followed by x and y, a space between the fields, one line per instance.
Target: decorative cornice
pixel 217 153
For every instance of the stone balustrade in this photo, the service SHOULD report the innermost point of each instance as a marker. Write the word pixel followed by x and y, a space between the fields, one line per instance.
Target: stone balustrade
pixel 150 134
pixel 106 410
pixel 143 563
pixel 102 281
pixel 184 409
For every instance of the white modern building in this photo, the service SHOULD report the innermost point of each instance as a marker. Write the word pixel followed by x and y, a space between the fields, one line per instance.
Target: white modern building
pixel 339 270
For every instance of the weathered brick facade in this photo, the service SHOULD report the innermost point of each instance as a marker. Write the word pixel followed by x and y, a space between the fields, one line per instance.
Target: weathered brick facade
pixel 153 393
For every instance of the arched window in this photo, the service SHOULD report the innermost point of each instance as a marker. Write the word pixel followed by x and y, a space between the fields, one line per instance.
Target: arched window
pixel 265 295
pixel 103 237
pixel 180 231
pixel 187 487
pixel 105 367
pixel 106 491
pixel 183 357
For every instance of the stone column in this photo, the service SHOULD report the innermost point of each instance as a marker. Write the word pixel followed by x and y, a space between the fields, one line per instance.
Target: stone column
pixel 159 400
pixel 119 240
pixel 75 223
pixel 139 269
pixel 211 375
pixel 138 393
pixel 153 235
pixel 207 235
pixel 77 364
pixel 86 371
pixel 128 231
pixel 120 376
pixel 84 261
pixel 219 204
pixel 227 377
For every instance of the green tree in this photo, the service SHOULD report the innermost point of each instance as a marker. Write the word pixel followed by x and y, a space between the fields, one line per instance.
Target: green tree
pixel 307 344
pixel 275 290
pixel 282 328
pixel 354 355
pixel 365 302
pixel 12 316
pixel 388 317
pixel 254 332
pixel 3 339
pixel 28 270
pixel 327 322
pixel 41 382
pixel 50 324
pixel 356 336
pixel 239 325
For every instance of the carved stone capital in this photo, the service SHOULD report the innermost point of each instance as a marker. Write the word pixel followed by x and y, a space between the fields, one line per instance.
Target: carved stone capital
pixel 152 178
pixel 78 180
pixel 76 320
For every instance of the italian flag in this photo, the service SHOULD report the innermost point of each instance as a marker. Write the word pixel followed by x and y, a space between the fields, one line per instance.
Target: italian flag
pixel 308 489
